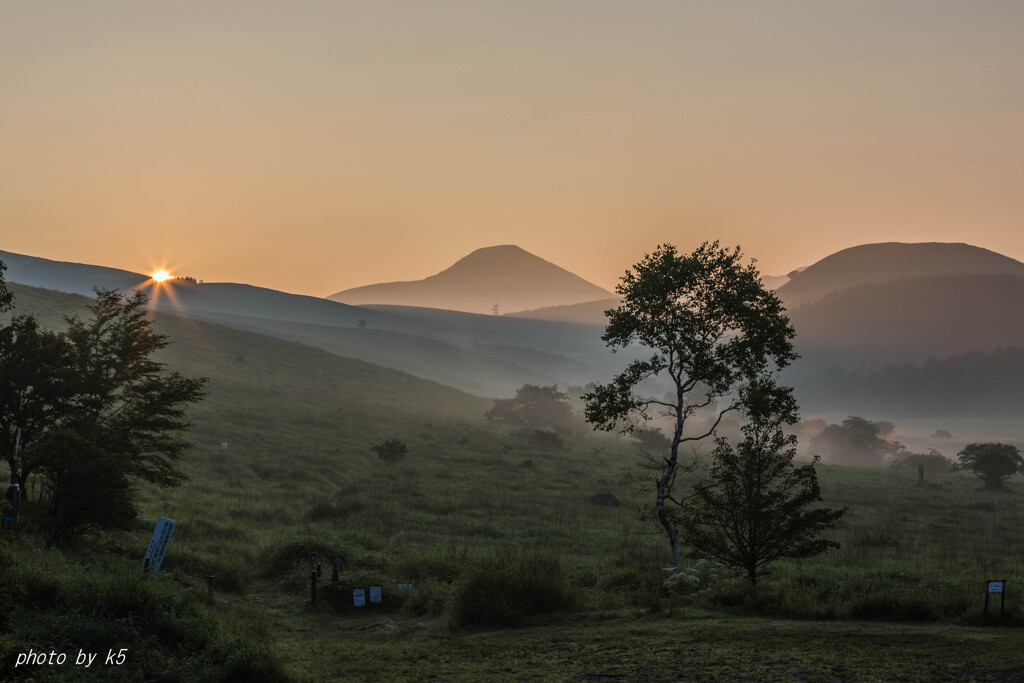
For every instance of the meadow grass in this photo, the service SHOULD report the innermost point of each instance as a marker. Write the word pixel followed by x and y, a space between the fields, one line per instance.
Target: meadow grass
pixel 493 530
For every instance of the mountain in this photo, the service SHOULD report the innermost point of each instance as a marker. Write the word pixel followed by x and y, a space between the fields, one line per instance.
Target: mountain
pixel 889 261
pixel 587 313
pixel 64 276
pixel 505 275
pixel 482 354
pixel 912 318
pixel 592 312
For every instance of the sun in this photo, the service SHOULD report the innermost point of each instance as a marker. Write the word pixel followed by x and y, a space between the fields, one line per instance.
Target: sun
pixel 161 275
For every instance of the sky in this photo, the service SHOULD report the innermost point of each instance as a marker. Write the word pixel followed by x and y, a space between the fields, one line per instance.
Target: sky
pixel 315 146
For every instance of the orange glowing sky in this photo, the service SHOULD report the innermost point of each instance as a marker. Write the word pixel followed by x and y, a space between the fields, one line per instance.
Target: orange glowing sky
pixel 315 146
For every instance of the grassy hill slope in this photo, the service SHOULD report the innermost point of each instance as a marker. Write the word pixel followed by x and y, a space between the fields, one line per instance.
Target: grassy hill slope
pixel 469 510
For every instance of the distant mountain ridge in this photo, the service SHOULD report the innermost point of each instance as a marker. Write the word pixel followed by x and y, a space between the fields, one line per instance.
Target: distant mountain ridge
pixel 505 275
pixel 883 262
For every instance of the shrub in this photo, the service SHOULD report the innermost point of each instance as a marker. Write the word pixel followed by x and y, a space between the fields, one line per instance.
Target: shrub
pixel 391 451
pixel 933 461
pixel 503 591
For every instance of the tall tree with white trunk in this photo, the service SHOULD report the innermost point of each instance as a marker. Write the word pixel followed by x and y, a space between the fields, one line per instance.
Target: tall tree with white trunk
pixel 712 329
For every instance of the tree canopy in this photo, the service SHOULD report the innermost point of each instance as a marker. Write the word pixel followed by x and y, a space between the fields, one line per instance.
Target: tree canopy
pixel 712 328
pixel 534 407
pixel 92 400
pixel 761 506
pixel 993 462
pixel 856 441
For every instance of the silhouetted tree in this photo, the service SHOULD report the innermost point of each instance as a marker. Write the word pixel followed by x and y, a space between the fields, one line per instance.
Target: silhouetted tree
pixel 710 323
pixel 854 442
pixel 534 407
pixel 391 451
pixel 933 461
pixel 92 397
pixel 761 507
pixel 993 462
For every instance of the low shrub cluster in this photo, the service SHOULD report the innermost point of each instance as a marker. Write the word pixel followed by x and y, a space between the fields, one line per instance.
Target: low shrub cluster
pixel 506 589
pixel 167 633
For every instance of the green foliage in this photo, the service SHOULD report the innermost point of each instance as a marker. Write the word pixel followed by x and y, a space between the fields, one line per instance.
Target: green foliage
pixel 87 485
pixel 933 461
pixel 761 507
pixel 993 462
pixel 856 441
pixel 96 411
pixel 698 579
pixel 713 329
pixel 391 450
pixel 471 498
pixel 503 591
pixel 63 604
pixel 534 407
pixel 124 392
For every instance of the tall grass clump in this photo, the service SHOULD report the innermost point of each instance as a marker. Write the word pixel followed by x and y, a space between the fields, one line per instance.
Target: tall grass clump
pixel 505 589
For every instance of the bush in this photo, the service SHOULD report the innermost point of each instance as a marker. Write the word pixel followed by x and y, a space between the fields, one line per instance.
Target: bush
pixel 933 461
pixel 504 591
pixel 391 451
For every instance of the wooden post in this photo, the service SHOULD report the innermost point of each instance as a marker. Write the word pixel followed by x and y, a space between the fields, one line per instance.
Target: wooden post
pixel 920 475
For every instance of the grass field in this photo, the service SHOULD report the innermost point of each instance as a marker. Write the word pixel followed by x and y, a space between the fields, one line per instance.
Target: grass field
pixel 476 518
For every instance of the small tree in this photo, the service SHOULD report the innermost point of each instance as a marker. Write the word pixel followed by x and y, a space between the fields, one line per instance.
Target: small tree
pixel 712 327
pixel 993 462
pixel 96 411
pixel 391 451
pixel 534 407
pixel 856 441
pixel 761 507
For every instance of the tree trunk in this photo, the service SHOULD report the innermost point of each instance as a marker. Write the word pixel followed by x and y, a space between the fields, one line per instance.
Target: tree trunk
pixel 666 521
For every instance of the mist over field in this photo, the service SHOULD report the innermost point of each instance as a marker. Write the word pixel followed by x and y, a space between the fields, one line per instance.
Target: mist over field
pixel 501 512
pixel 491 341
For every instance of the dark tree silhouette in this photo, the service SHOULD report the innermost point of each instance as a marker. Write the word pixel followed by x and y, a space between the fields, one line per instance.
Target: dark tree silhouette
pixel 761 507
pixel 993 462
pixel 391 451
pixel 92 401
pixel 712 328
pixel 534 407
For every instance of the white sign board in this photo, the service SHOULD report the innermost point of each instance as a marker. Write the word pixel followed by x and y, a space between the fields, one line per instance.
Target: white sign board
pixel 375 593
pixel 995 586
pixel 158 544
pixel 359 597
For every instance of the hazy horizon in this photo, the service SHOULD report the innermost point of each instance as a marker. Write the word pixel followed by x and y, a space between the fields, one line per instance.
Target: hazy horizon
pixel 318 147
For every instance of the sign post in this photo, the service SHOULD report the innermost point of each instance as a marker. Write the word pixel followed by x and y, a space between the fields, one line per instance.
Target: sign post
pixel 996 587
pixel 158 544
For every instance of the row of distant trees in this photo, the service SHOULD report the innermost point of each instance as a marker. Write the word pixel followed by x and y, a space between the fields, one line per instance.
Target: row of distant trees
pixel 861 442
pixel 976 383
pixel 86 412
